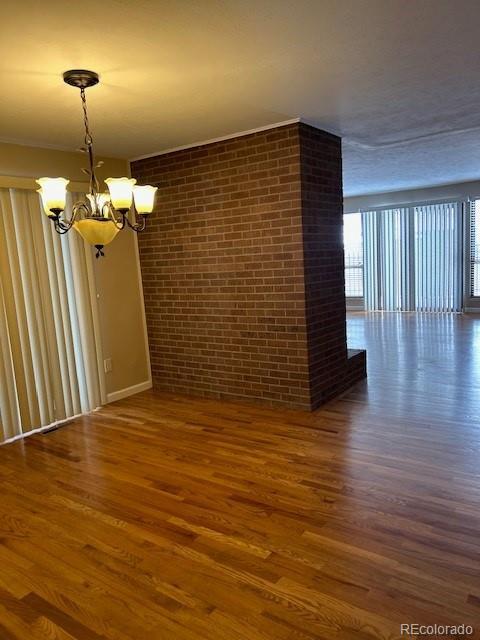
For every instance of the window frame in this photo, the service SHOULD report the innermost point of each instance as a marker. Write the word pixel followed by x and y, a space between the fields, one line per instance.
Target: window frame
pixel 354 302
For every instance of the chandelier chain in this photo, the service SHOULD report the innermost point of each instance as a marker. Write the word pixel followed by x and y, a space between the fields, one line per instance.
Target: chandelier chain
pixel 88 135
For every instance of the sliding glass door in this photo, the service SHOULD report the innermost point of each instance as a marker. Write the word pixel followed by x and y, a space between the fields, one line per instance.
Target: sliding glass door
pixel 387 240
pixel 438 257
pixel 49 337
pixel 413 258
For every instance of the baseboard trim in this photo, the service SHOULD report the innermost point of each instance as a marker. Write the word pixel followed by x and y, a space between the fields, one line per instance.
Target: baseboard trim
pixel 128 391
pixel 47 427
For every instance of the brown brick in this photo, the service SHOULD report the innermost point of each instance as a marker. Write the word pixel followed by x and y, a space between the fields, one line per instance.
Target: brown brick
pixel 242 267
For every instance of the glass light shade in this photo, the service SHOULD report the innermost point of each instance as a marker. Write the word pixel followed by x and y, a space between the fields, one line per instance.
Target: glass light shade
pixel 121 192
pixel 144 198
pixel 47 212
pixel 96 231
pixel 53 192
pixel 102 199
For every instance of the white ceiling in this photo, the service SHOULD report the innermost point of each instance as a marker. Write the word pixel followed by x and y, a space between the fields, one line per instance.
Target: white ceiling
pixel 398 79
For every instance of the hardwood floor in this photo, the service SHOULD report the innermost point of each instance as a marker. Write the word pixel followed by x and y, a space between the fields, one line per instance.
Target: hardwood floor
pixel 163 517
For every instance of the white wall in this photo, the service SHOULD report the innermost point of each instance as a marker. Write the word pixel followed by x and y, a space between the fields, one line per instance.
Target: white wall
pixel 458 191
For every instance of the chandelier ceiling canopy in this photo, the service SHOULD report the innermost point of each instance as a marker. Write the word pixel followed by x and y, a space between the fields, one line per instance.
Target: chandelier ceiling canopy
pixel 101 215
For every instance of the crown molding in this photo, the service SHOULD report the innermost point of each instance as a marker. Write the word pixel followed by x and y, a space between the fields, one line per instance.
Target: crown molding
pixel 230 136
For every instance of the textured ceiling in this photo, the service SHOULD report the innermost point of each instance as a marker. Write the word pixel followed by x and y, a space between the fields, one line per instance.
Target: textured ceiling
pixel 398 80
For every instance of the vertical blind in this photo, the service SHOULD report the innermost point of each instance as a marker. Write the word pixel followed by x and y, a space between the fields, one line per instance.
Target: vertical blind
pixel 413 258
pixel 48 320
pixel 438 257
pixel 474 242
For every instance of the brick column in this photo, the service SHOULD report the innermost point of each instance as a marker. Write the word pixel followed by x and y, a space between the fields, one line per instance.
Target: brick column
pixel 332 369
pixel 242 268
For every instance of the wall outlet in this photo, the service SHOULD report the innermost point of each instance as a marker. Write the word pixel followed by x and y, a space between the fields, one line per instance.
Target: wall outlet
pixel 107 365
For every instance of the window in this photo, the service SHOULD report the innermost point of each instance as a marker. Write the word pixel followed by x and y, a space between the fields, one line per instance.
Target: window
pixel 353 247
pixel 475 248
pixel 414 258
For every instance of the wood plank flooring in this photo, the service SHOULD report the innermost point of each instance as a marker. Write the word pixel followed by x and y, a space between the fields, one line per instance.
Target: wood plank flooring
pixel 171 518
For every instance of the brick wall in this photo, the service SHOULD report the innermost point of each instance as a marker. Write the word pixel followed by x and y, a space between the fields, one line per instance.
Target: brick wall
pixel 232 309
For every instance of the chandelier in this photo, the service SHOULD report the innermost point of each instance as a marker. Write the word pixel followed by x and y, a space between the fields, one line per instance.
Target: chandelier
pixel 102 215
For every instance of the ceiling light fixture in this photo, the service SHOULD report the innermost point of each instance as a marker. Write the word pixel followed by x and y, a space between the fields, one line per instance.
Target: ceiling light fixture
pixel 101 216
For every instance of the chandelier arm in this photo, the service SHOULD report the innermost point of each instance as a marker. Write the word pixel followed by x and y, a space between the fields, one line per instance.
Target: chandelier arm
pixel 131 226
pixel 141 226
pixel 77 207
pixel 118 222
pixel 60 228
pixel 137 226
pixel 120 225
pixel 63 226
